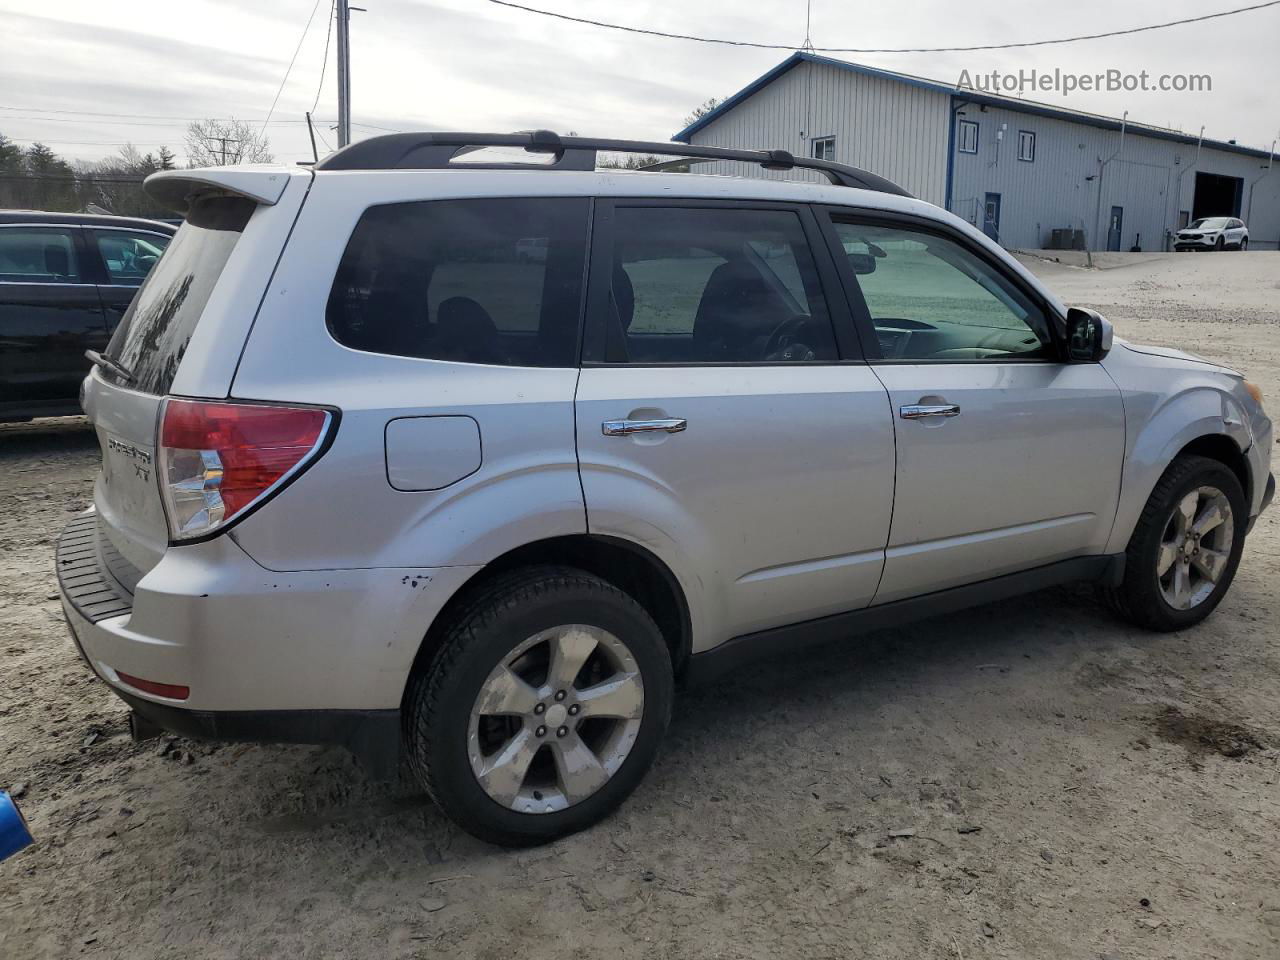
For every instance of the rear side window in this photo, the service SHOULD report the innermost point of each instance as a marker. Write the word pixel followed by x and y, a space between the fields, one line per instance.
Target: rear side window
pixel 38 255
pixel 478 281
pixel 715 285
pixel 129 257
pixel 153 335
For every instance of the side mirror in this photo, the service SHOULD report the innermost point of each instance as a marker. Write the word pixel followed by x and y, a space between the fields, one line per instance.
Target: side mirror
pixel 862 263
pixel 1089 335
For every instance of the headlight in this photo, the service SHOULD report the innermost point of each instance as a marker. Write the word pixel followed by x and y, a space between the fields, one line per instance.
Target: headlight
pixel 1254 391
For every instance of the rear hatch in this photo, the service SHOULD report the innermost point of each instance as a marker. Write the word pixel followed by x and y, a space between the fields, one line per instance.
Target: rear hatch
pixel 182 312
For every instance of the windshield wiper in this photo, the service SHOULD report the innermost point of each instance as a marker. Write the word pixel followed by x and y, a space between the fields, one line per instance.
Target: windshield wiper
pixel 112 364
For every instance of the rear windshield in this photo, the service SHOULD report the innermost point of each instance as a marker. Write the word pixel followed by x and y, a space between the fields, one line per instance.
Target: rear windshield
pixel 154 333
pixel 478 281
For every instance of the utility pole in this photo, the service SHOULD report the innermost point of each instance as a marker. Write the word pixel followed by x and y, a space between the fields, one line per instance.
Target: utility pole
pixel 343 13
pixel 225 141
pixel 1102 169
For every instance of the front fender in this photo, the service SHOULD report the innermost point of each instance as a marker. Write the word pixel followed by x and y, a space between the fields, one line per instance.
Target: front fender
pixel 1160 424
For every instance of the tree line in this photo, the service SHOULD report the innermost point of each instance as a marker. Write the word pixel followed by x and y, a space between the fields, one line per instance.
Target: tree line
pixel 35 177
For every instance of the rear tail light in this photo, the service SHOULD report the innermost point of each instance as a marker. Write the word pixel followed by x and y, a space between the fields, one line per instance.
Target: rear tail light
pixel 219 460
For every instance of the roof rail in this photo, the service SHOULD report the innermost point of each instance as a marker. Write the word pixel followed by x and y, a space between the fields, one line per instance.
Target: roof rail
pixel 437 151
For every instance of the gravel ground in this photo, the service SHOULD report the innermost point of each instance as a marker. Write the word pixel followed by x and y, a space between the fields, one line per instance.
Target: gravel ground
pixel 1071 787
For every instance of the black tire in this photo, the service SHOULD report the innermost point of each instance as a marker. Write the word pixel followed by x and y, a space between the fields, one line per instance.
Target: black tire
pixel 488 626
pixel 1139 598
pixel 1244 245
pixel 1220 245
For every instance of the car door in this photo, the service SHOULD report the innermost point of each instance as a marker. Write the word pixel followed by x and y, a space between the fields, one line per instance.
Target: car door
pixel 1007 457
pixel 49 315
pixel 125 257
pixel 725 419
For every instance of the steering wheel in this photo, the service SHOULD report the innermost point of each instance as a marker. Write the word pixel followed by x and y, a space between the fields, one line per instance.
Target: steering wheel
pixel 783 344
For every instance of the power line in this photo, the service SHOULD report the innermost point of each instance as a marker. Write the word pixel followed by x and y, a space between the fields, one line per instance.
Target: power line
pixel 91 143
pixel 175 124
pixel 325 62
pixel 294 58
pixel 788 46
pixel 87 178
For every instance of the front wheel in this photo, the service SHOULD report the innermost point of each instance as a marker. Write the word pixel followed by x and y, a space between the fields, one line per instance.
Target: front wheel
pixel 543 709
pixel 1220 245
pixel 1185 549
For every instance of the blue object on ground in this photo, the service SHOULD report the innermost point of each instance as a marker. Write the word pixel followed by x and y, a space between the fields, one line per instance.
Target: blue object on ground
pixel 14 834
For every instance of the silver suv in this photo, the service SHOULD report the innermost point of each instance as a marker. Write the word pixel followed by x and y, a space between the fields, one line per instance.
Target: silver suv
pixel 418 451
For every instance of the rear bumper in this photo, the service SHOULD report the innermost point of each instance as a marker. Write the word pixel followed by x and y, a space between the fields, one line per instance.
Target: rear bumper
pixel 289 656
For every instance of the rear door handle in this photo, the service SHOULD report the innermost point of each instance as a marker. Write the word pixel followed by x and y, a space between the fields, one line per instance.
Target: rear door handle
pixel 918 411
pixel 622 428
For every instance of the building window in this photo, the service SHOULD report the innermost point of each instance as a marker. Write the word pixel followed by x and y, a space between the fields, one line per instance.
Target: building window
pixel 968 136
pixel 1026 146
pixel 824 148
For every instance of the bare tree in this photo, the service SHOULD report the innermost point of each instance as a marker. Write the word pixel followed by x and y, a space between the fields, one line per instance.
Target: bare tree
pixel 702 110
pixel 116 183
pixel 221 143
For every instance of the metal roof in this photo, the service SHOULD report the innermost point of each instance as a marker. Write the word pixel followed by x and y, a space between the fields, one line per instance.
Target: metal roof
pixel 1032 107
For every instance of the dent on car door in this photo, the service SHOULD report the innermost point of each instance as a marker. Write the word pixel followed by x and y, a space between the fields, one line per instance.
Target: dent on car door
pixel 49 315
pixel 717 423
pixel 124 258
pixel 1007 458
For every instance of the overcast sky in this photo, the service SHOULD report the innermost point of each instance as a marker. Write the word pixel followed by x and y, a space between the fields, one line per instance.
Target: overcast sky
pixel 472 65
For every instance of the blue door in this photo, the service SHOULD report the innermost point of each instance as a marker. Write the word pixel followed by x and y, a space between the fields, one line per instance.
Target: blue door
pixel 991 216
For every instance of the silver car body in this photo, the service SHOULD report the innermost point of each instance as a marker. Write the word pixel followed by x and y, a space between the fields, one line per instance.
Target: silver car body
pixel 795 492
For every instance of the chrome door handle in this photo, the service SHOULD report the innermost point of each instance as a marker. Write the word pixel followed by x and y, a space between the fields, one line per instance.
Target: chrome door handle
pixel 918 411
pixel 621 428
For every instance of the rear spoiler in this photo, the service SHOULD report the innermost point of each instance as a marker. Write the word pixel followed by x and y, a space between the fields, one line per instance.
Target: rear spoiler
pixel 177 188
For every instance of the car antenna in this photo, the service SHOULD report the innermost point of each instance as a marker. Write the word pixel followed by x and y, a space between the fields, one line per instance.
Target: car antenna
pixel 311 130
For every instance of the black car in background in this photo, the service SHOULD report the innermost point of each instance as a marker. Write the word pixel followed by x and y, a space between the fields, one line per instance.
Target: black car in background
pixel 66 279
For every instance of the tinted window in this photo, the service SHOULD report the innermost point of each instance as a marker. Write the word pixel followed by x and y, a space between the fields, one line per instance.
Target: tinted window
pixel 968 136
pixel 930 298
pixel 479 281
pixel 38 255
pixel 154 333
pixel 714 286
pixel 129 257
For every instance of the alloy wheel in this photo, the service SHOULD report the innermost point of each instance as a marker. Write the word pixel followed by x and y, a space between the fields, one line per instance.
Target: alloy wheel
pixel 1195 549
pixel 555 719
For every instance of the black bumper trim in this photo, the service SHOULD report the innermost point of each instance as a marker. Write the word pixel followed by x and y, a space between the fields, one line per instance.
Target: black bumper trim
pixel 372 735
pixel 85 587
pixel 710 664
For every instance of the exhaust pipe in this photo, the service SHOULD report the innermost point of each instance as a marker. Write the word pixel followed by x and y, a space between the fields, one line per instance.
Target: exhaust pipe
pixel 14 835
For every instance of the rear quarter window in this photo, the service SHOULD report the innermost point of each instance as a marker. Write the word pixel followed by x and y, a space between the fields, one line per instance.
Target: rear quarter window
pixel 496 281
pixel 153 334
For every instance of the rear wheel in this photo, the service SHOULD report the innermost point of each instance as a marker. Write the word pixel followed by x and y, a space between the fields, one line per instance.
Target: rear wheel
pixel 1244 244
pixel 1184 552
pixel 543 709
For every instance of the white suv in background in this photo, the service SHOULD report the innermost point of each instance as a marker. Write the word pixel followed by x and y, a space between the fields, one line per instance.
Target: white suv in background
pixel 1213 233
pixel 474 460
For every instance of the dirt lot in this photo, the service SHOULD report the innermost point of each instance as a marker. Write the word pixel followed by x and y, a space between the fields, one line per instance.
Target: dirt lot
pixel 1121 788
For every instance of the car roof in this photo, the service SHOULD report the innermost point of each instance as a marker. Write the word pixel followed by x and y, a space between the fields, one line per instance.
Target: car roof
pixel 84 220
